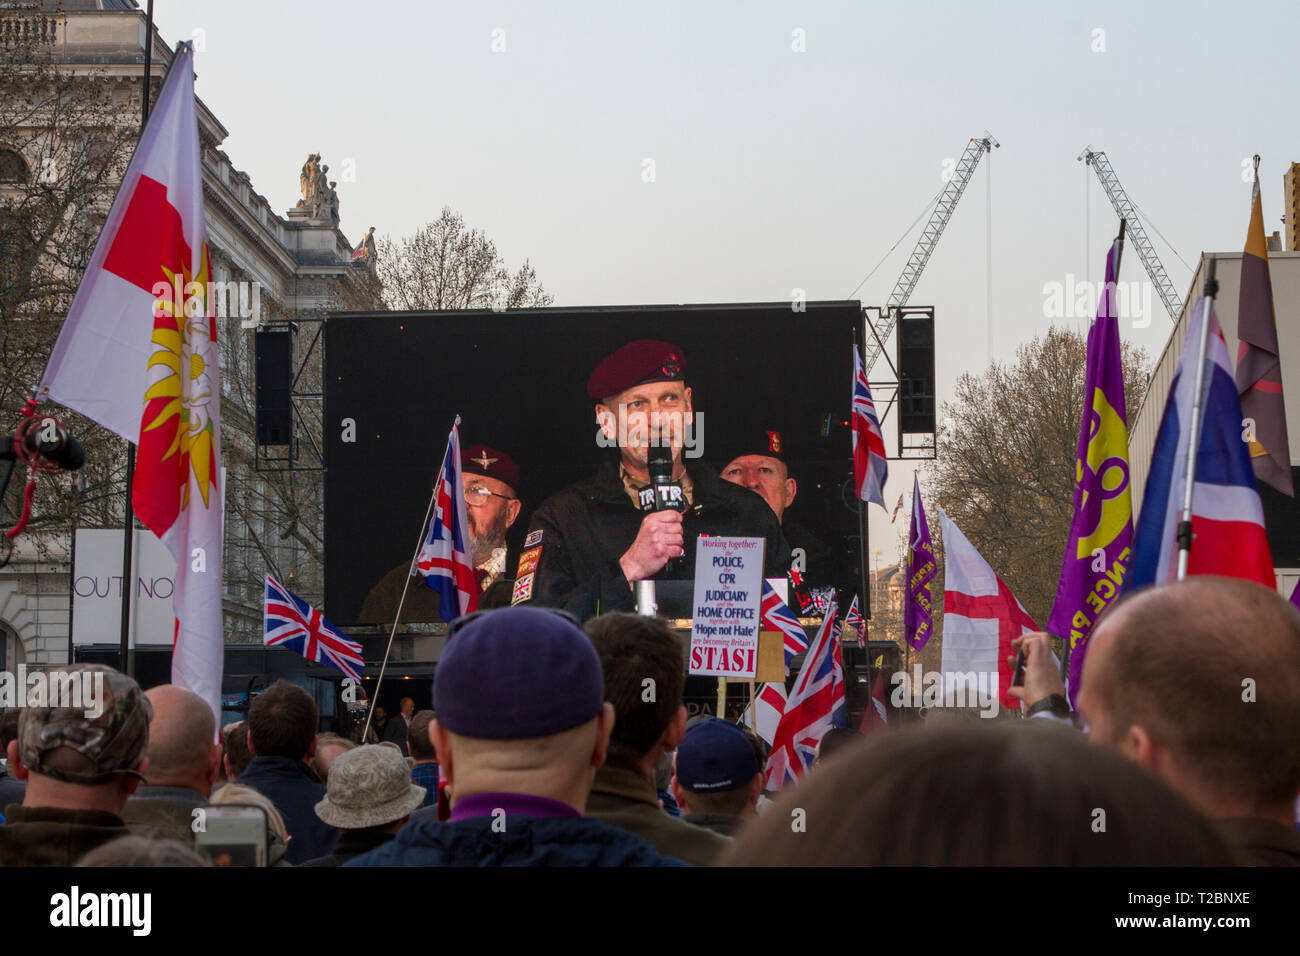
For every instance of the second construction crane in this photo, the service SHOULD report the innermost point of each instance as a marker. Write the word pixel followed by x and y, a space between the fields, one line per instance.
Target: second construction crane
pixel 1137 235
pixel 943 211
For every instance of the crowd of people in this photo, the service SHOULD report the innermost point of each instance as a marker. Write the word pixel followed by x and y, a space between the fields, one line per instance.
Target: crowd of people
pixel 557 744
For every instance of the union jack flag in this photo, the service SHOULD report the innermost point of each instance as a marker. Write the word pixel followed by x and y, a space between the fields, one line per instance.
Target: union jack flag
pixel 854 620
pixel 289 621
pixel 444 560
pixel 897 508
pixel 812 709
pixel 870 469
pixel 778 617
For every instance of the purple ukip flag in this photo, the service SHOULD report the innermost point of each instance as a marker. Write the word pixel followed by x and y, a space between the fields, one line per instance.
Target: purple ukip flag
pixel 917 619
pixel 1295 596
pixel 1097 553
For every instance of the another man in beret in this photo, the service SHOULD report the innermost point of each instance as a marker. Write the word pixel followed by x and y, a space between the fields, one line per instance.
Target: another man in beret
pixel 717 779
pixel 521 727
pixel 761 462
pixel 81 764
pixel 491 482
pixel 590 543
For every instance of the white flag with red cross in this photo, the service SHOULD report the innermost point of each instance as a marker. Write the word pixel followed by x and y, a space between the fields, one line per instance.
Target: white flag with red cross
pixel 138 354
pixel 980 618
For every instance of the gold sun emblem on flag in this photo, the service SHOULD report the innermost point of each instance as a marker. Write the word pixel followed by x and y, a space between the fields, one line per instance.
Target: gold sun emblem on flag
pixel 181 372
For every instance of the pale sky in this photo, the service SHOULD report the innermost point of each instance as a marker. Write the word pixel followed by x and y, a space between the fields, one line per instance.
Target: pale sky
pixel 774 169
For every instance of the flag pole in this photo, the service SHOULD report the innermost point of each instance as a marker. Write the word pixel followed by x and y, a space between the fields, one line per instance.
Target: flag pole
pixel 1185 525
pixel 397 616
pixel 125 663
pixel 1064 669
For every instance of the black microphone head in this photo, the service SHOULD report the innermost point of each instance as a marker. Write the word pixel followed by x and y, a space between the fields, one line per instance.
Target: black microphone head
pixel 659 462
pixel 71 456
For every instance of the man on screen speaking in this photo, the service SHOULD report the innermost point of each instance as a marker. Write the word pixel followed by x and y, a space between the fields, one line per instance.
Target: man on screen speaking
pixel 589 544
pixel 490 479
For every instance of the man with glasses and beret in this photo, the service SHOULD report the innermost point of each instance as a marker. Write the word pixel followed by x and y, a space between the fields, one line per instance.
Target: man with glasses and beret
pixel 490 479
pixel 589 544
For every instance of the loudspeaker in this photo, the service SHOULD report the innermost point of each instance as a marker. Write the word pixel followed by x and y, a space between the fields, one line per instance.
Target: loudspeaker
pixel 274 381
pixel 916 404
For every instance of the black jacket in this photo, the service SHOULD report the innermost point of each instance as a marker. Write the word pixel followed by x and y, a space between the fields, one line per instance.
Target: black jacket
pixel 1262 842
pixel 586 528
pixel 52 836
pixel 295 790
pixel 352 844
pixel 527 841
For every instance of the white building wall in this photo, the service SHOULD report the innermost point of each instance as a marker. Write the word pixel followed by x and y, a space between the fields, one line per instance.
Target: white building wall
pixel 1284 270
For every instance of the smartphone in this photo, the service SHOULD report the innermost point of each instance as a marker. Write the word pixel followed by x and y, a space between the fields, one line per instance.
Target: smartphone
pixel 1018 677
pixel 233 834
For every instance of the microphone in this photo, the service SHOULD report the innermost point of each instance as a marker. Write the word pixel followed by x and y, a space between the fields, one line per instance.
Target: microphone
pixel 666 494
pixel 53 443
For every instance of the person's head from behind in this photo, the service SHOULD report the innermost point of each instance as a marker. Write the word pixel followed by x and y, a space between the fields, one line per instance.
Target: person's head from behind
pixel 717 770
pixel 418 744
pixel 520 705
pixel 1199 682
pixel 328 749
pixel 237 793
pixel 90 757
pixel 834 741
pixel 236 757
pixel 992 794
pixel 282 722
pixel 136 850
pixel 645 675
pixel 370 789
pixel 181 748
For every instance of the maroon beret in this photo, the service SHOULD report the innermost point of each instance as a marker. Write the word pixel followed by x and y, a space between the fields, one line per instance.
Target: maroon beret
pixel 645 360
pixel 482 460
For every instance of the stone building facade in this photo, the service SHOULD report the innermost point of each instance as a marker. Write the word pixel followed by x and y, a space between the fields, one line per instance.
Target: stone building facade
pixel 277 271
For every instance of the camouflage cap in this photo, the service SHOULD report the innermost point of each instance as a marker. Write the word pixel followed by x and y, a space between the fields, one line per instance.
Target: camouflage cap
pixel 102 736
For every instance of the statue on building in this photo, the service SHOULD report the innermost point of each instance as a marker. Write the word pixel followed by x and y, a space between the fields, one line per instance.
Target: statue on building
pixel 307 180
pixel 372 254
pixel 332 204
pixel 365 252
pixel 320 208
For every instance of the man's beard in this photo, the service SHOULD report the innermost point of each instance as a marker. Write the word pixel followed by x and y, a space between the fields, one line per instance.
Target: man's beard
pixel 494 536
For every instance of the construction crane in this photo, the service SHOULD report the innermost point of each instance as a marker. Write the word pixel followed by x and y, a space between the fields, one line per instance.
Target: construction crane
pixel 943 211
pixel 1136 234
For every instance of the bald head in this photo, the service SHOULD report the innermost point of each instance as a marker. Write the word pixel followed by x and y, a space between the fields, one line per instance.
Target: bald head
pixel 1200 681
pixel 560 766
pixel 181 735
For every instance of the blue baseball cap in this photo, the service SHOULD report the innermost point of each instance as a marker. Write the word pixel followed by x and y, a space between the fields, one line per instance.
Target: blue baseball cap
pixel 715 755
pixel 517 673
